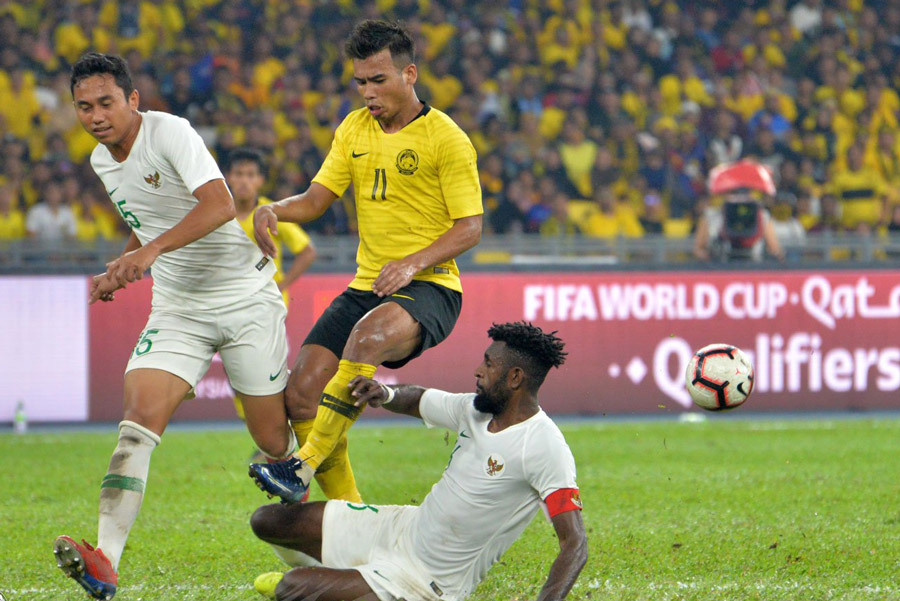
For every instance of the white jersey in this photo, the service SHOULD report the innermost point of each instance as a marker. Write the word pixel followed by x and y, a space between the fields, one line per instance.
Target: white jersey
pixel 152 191
pixel 490 490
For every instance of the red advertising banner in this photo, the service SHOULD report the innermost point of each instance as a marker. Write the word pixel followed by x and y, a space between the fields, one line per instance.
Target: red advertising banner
pixel 818 340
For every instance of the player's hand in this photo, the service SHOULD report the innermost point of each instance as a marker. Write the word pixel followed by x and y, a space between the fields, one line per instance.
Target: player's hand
pixel 131 266
pixel 394 276
pixel 366 390
pixel 265 221
pixel 102 289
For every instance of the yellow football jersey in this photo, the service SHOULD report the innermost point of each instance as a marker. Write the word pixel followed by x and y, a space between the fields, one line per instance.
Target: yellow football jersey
pixel 290 235
pixel 410 186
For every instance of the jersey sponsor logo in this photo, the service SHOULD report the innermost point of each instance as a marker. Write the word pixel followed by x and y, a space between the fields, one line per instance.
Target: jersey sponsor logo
pixel 356 155
pixel 153 180
pixel 495 465
pixel 407 161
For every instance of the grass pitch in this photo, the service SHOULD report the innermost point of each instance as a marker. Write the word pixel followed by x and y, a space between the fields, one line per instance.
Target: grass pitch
pixel 731 508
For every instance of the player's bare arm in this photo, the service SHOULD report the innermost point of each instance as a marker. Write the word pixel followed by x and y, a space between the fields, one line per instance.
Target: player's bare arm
pixel 215 208
pixel 297 209
pixel 301 263
pixel 462 235
pixel 572 556
pixel 405 398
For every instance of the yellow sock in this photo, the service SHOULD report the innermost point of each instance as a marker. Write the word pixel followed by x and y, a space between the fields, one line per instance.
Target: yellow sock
pixel 335 476
pixel 336 413
pixel 302 429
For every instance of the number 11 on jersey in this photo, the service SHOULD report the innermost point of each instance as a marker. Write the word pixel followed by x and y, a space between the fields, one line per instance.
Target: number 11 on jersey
pixel 380 176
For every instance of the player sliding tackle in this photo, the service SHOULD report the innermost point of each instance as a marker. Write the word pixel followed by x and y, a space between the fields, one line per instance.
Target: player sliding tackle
pixel 509 458
pixel 212 291
pixel 418 203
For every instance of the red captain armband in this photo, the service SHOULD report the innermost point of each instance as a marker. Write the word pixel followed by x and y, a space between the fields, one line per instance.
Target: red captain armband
pixel 562 500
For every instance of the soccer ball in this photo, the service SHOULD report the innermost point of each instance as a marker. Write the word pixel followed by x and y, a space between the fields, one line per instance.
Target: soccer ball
pixel 719 377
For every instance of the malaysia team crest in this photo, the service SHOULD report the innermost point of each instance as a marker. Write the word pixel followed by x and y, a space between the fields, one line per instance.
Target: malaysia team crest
pixel 495 465
pixel 407 161
pixel 153 180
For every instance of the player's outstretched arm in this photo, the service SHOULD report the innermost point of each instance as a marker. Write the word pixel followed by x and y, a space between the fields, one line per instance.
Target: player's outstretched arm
pixel 297 209
pixel 571 559
pixel 399 399
pixel 462 235
pixel 215 208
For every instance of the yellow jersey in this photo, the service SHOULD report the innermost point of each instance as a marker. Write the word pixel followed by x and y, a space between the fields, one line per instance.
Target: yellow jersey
pixel 290 235
pixel 410 186
pixel 12 225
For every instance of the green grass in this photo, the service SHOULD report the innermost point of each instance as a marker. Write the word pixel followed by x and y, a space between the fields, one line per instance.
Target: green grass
pixel 727 509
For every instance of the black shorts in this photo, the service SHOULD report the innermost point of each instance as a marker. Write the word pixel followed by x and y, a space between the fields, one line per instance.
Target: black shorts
pixel 435 307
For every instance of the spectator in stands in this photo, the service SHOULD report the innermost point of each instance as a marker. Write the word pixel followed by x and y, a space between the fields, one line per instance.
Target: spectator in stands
pixel 12 220
pixel 821 78
pixel 861 192
pixel 785 222
pixel 51 219
pixel 725 145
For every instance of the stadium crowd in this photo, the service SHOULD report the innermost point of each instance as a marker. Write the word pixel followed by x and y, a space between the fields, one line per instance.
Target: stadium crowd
pixel 598 118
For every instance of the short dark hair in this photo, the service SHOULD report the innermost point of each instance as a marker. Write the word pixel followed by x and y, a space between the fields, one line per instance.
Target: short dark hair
pixel 532 349
pixel 372 36
pixel 95 63
pixel 245 154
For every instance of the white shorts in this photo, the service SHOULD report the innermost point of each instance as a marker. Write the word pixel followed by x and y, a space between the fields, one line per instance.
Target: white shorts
pixel 249 335
pixel 372 540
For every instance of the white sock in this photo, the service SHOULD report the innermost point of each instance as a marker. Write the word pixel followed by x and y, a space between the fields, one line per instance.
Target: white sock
pixel 295 558
pixel 122 489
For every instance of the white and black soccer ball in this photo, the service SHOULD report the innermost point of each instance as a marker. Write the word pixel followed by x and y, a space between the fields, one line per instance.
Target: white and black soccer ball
pixel 719 377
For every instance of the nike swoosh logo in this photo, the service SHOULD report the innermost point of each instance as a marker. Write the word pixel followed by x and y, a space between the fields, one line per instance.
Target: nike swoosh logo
pixel 111 191
pixel 356 156
pixel 464 435
pixel 403 296
pixel 273 377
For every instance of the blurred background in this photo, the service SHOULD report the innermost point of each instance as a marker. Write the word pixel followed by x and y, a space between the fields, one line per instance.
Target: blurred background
pixel 597 123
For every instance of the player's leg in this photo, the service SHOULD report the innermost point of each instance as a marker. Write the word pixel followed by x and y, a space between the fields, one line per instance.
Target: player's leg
pixel 324 584
pixel 151 396
pixel 172 354
pixel 254 355
pixel 314 368
pixel 301 527
pixel 386 333
pixel 316 365
pixel 424 314
pixel 267 423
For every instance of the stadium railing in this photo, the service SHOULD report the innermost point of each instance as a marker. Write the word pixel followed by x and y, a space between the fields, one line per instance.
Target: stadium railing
pixel 508 252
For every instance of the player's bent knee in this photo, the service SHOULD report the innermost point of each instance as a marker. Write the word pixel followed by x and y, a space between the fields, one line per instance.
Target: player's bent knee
pixel 265 523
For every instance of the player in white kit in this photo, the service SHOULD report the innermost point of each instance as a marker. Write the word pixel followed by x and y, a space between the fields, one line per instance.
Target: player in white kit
pixel 212 292
pixel 509 459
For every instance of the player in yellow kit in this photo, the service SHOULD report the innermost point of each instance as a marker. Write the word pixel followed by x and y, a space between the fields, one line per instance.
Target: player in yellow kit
pixel 418 203
pixel 245 172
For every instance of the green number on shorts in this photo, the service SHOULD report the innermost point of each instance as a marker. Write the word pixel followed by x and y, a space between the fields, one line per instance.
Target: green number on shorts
pixel 144 343
pixel 362 507
pixel 129 217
